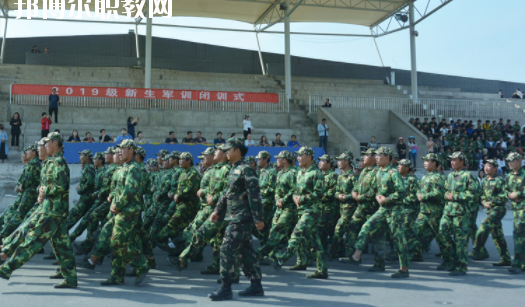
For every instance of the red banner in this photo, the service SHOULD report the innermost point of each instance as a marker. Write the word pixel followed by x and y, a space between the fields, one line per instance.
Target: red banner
pixel 122 92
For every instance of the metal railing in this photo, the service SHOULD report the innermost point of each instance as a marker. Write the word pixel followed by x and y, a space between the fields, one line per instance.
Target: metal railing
pixel 137 103
pixel 439 108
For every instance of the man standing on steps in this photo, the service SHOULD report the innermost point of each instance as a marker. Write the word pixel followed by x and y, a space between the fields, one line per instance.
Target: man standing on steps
pixel 322 128
pixel 54 102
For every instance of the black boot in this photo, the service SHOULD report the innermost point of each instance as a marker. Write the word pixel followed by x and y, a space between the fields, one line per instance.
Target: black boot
pixel 255 289
pixel 224 292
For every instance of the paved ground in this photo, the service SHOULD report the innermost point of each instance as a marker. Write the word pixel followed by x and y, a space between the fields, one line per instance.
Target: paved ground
pixel 484 285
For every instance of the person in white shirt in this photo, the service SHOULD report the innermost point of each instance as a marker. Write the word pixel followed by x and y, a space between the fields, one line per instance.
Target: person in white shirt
pixel 248 128
pixel 322 128
pixel 249 141
pixel 502 167
pixel 443 131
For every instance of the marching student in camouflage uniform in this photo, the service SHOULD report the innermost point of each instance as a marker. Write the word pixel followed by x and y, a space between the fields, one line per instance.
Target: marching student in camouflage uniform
pixel 460 189
pixel 10 211
pixel 389 195
pixel 410 201
pixel 85 189
pixel 363 193
pixel 54 199
pixel 154 174
pixel 307 197
pixel 267 179
pixel 253 164
pixel 431 197
pixel 286 212
pixel 329 202
pixel 186 199
pixel 494 199
pixel 164 167
pixel 241 204
pixel 515 188
pixel 27 185
pixel 347 205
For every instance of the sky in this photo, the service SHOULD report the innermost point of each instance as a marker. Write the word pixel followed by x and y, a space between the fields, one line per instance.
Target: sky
pixel 470 38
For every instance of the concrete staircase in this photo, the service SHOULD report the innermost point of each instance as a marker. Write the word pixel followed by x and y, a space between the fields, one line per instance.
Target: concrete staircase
pixel 449 93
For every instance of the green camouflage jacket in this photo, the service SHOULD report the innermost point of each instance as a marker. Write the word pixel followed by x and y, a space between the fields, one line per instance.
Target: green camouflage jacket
pixel 476 200
pixel 30 177
pixel 285 185
pixel 390 184
pixel 310 188
pixel 174 180
pixel 346 183
pixel 432 190
pixel 164 187
pixel 411 186
pixel 219 181
pixel 493 191
pixel 205 185
pixel 87 180
pixel 108 175
pixel 56 191
pixel 99 178
pixel 516 184
pixel 463 188
pixel 328 199
pixel 114 180
pixel 267 180
pixel 366 188
pixel 242 200
pixel 188 185
pixel 127 195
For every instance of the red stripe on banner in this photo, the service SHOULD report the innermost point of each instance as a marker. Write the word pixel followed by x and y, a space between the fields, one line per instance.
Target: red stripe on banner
pixel 122 92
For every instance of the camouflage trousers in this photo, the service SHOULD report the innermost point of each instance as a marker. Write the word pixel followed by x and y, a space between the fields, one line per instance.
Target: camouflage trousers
pixel 187 234
pixel 149 214
pixel 160 219
pixel 11 242
pixel 304 236
pixel 473 226
pixel 268 213
pixel 492 225
pixel 426 228
pixel 126 246
pixel 519 238
pixel 10 211
pixel 342 228
pixel 46 228
pixel 25 204
pixel 85 203
pixel 327 223
pixel 283 222
pixel 392 218
pixel 204 235
pixel 455 231
pixel 91 222
pixel 411 215
pixel 184 213
pixel 359 218
pixel 237 246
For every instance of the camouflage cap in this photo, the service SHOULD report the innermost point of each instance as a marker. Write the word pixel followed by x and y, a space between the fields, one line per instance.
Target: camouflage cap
pixel 41 142
pixel 185 155
pixel 405 162
pixel 232 143
pixel 33 147
pixel 250 159
pixel 109 151
pixel 263 154
pixel 385 151
pixel 99 155
pixel 493 162
pixel 140 151
pixel 305 150
pixel 395 155
pixel 209 151
pixel 174 154
pixel 127 144
pixel 369 151
pixel 514 156
pixel 152 162
pixel 162 152
pixel 327 158
pixel 86 152
pixel 346 155
pixel 430 156
pixel 286 155
pixel 166 157
pixel 54 136
pixel 458 155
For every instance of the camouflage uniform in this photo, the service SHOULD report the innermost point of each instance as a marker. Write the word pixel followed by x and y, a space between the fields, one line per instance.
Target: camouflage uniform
pixel 426 227
pixel 242 205
pixel 329 208
pixel 127 200
pixel 391 214
pixel 151 212
pixel 285 217
pixel 455 223
pixel 28 181
pixel 494 192
pixel 345 184
pixel 516 184
pixel 86 187
pixel 410 201
pixel 310 189
pixel 187 202
pixel 267 179
pixel 51 221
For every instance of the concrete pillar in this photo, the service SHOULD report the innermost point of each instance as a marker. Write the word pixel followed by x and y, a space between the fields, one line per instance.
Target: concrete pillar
pixel 149 25
pixel 137 43
pixel 3 42
pixel 287 57
pixel 260 54
pixel 413 51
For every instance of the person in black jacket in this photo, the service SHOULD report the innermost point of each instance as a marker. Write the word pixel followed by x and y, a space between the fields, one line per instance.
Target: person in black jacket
pixel 15 123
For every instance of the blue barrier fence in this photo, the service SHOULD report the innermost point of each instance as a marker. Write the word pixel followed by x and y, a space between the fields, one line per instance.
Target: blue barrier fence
pixel 72 149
